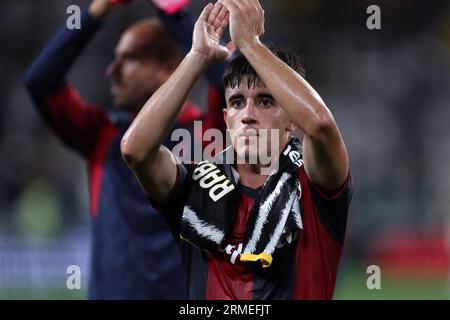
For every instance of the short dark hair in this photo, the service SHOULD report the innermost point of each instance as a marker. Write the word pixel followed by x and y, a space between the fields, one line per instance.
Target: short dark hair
pixel 239 68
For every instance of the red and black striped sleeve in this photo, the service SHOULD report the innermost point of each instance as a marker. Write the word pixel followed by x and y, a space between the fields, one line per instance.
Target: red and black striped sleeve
pixel 77 122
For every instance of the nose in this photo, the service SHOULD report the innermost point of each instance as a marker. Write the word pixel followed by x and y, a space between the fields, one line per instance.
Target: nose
pixel 250 113
pixel 113 69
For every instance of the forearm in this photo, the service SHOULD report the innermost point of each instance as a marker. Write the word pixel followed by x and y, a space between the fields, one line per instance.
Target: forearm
pixel 180 26
pixel 324 153
pixel 148 131
pixel 296 96
pixel 48 71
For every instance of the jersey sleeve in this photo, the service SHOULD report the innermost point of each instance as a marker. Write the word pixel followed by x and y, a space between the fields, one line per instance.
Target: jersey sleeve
pixel 172 207
pixel 77 122
pixel 333 209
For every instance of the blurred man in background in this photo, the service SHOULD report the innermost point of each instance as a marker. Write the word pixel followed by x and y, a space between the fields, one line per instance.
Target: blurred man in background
pixel 133 254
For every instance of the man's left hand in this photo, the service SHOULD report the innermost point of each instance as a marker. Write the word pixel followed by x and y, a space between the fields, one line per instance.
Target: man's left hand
pixel 207 33
pixel 246 21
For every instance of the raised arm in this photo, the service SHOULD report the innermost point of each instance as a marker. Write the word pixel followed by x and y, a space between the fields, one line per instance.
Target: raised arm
pixel 324 153
pixel 76 121
pixel 180 26
pixel 154 165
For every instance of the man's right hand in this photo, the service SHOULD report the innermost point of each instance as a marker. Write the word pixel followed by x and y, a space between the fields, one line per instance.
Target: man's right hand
pixel 101 8
pixel 207 32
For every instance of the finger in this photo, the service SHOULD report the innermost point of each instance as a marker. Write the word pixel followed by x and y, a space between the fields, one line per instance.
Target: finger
pixel 224 53
pixel 224 23
pixel 263 30
pixel 258 9
pixel 213 14
pixel 222 13
pixel 252 6
pixel 218 20
pixel 230 5
pixel 258 6
pixel 231 47
pixel 205 13
pixel 241 4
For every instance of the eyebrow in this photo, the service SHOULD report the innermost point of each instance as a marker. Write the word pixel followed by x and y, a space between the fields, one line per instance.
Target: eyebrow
pixel 265 95
pixel 259 96
pixel 236 96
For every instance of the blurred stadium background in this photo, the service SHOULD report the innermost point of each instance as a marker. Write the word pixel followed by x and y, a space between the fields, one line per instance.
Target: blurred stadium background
pixel 388 89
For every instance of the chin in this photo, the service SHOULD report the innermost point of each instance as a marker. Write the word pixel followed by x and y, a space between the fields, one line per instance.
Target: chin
pixel 247 155
pixel 117 103
pixel 122 106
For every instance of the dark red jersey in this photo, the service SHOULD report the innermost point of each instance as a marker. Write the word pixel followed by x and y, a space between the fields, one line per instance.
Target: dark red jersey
pixel 305 268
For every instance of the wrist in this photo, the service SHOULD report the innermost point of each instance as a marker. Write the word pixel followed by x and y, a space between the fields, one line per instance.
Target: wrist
pixel 200 58
pixel 248 45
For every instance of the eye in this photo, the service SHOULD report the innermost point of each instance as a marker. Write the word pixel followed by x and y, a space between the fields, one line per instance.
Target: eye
pixel 237 103
pixel 265 102
pixel 128 57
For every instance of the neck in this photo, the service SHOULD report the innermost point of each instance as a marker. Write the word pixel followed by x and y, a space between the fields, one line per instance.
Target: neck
pixel 254 175
pixel 250 175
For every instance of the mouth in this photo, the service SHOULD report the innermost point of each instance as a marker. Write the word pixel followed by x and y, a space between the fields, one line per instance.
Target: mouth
pixel 115 88
pixel 248 132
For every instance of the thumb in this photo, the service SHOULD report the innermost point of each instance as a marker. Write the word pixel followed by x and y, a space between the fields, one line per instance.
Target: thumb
pixel 231 47
pixel 223 53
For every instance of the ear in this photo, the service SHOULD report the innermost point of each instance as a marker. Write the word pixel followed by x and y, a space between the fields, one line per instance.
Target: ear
pixel 225 114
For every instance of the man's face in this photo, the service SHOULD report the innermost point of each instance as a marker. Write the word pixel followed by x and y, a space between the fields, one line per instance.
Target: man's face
pixel 134 75
pixel 257 124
